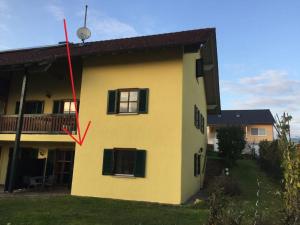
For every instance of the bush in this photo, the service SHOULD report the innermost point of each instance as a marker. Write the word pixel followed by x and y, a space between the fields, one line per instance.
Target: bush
pixel 227 184
pixel 270 158
pixel 219 214
pixel 231 142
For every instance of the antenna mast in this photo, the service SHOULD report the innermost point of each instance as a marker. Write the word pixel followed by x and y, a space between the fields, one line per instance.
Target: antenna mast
pixel 85 15
pixel 84 33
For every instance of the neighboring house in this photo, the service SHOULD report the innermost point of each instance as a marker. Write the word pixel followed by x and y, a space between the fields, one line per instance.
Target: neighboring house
pixel 258 125
pixel 147 97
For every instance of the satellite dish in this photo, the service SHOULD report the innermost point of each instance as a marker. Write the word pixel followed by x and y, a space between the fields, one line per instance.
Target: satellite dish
pixel 84 33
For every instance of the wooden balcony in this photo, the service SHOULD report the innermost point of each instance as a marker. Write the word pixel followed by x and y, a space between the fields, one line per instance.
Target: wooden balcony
pixel 39 123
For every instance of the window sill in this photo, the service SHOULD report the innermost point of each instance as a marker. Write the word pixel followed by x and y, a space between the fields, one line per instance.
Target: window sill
pixel 258 135
pixel 120 114
pixel 123 175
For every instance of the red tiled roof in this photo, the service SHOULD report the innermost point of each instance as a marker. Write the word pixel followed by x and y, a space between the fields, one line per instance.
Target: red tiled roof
pixel 15 57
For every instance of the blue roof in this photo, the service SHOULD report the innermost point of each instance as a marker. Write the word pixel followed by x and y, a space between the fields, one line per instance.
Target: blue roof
pixel 242 117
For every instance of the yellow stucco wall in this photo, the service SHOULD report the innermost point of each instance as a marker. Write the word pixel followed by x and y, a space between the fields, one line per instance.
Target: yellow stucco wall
pixel 256 139
pixel 192 138
pixel 158 132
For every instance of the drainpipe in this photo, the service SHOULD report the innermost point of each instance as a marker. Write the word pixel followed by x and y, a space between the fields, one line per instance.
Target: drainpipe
pixel 14 162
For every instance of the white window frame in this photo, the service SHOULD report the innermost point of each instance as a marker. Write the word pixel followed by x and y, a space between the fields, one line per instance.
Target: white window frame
pixel 258 131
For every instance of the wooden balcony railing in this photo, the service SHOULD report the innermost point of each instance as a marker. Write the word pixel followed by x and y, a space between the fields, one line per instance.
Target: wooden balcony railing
pixel 39 123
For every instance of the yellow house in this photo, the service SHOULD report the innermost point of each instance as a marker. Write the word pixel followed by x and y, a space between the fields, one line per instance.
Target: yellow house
pixel 258 125
pixel 147 99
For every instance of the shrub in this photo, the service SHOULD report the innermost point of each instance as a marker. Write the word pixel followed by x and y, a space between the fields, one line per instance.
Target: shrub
pixel 227 184
pixel 219 213
pixel 231 142
pixel 270 158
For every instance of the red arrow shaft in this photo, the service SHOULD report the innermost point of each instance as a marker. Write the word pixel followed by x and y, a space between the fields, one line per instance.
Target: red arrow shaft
pixel 72 80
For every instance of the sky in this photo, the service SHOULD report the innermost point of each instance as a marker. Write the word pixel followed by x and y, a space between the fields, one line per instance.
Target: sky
pixel 258 41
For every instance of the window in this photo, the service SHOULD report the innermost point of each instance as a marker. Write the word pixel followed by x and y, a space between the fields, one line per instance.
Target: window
pixel 199 120
pixel 258 131
pixel 126 101
pixel 197 158
pixel 124 162
pixel 31 107
pixel 69 107
pixel 129 162
pixel 64 106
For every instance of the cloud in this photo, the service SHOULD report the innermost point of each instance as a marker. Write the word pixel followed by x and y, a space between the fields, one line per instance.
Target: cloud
pixel 112 28
pixel 104 26
pixel 56 11
pixel 272 89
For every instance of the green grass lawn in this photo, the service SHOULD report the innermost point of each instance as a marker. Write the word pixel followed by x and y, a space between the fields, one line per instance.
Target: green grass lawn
pixel 81 210
pixel 247 173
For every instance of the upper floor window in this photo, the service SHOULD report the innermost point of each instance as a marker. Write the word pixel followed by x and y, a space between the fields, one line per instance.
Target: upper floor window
pixel 126 101
pixel 31 107
pixel 199 120
pixel 65 106
pixel 258 131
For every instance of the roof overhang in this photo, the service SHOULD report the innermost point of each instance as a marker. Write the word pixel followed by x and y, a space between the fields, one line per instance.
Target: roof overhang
pixel 211 75
pixel 19 58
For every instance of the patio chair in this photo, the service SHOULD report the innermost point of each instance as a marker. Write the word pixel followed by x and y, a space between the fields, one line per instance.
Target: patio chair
pixel 35 182
pixel 50 181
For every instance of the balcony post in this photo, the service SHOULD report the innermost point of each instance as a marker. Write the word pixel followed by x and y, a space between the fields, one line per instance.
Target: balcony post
pixel 14 162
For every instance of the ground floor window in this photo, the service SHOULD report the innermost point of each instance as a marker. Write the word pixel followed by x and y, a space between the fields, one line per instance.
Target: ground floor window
pixel 129 162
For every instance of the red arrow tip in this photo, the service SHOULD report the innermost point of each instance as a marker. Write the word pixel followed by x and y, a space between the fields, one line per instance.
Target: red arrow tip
pixel 79 140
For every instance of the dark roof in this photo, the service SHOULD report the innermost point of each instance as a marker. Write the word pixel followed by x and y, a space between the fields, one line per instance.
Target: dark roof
pixel 177 39
pixel 241 117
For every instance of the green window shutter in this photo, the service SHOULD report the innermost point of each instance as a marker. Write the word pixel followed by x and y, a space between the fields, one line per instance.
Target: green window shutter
pixel 202 123
pixel 195 164
pixel 195 116
pixel 108 162
pixel 204 165
pixel 112 102
pixel 58 107
pixel 198 164
pixel 143 100
pixel 199 68
pixel 39 107
pixel 199 120
pixel 55 107
pixel 140 163
pixel 78 104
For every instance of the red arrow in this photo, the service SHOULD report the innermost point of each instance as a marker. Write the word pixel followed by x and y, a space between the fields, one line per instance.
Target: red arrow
pixel 79 140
